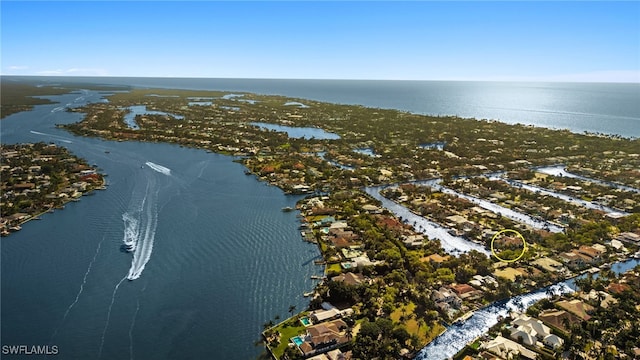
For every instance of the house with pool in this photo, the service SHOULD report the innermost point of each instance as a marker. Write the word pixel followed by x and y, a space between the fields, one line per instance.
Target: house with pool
pixel 325 330
pixel 322 338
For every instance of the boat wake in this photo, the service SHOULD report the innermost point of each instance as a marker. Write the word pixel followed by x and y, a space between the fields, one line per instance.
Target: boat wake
pixel 55 137
pixel 84 282
pixel 159 168
pixel 140 230
pixel 106 325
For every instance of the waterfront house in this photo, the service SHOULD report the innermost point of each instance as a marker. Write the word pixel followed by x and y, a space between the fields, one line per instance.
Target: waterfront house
pixel 575 260
pixel 629 237
pixel 559 319
pixel 371 209
pixel 413 241
pixel 323 315
pixel 591 252
pixel 576 307
pixel 466 292
pixel 349 278
pixel 507 349
pixel 522 336
pixel 487 280
pixel 324 337
pixel 548 265
pixel 446 296
pixel 604 299
pixel 335 354
pixel 529 329
pixel 553 341
pixel 341 242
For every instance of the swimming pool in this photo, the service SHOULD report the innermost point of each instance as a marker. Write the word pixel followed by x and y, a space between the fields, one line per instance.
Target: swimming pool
pixel 298 340
pixel 305 321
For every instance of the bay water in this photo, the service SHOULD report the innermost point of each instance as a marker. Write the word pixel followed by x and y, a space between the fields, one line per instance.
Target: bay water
pixel 216 257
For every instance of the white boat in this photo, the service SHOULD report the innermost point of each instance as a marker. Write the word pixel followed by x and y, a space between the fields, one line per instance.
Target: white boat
pixel 129 247
pixel 464 318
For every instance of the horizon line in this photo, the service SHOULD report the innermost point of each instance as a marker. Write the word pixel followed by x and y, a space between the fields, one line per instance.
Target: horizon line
pixel 505 80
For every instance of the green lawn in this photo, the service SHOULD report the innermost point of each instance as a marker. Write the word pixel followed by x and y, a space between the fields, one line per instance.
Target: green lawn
pixel 426 332
pixel 333 269
pixel 286 333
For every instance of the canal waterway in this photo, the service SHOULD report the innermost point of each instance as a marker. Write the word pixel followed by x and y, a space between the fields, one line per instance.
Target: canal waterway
pixel 559 170
pixel 450 243
pixel 571 199
pixel 506 212
pixel 457 336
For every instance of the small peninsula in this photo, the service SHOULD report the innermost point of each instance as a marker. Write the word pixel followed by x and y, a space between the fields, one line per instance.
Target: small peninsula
pixel 38 178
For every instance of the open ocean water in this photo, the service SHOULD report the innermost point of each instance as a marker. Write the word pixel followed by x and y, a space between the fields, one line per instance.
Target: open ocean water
pixel 216 255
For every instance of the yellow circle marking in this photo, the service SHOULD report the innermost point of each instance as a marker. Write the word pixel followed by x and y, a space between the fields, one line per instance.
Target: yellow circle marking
pixel 524 248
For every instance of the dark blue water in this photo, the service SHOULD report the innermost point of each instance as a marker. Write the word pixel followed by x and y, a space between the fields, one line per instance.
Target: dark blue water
pixel 594 107
pixel 216 256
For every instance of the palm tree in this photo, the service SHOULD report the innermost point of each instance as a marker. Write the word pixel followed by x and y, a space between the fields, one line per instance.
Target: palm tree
pixel 292 308
pixel 550 292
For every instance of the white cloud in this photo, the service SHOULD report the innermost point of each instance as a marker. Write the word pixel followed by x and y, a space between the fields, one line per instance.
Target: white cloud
pixel 18 67
pixel 76 72
pixel 90 72
pixel 50 72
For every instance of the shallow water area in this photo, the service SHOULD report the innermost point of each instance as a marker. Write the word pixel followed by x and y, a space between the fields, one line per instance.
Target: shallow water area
pixel 366 151
pixel 200 103
pixel 299 132
pixel 433 146
pixel 295 103
pixel 133 111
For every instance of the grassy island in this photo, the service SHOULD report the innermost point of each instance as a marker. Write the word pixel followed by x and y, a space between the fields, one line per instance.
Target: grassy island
pixel 388 289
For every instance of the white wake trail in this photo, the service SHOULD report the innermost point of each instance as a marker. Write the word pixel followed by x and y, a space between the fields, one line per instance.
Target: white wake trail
pixel 106 325
pixel 84 281
pixel 145 232
pixel 133 323
pixel 55 137
pixel 159 168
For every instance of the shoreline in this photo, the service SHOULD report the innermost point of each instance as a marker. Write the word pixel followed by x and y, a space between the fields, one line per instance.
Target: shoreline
pixel 74 179
pixel 61 206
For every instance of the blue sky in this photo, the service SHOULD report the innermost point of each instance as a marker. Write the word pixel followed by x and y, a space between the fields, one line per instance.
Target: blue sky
pixel 547 41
